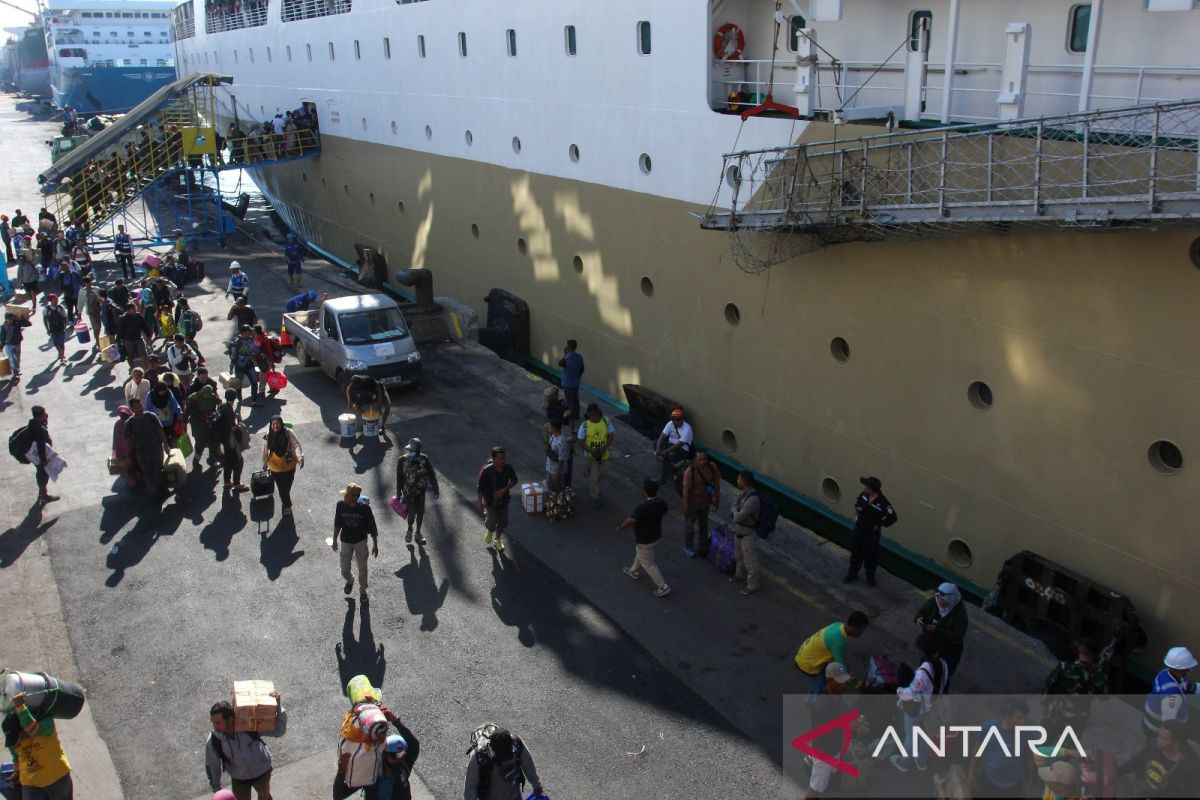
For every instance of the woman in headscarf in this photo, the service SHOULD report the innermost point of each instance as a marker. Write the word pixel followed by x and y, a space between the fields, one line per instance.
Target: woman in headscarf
pixel 201 407
pixel 281 455
pixel 945 617
pixel 149 445
pixel 161 403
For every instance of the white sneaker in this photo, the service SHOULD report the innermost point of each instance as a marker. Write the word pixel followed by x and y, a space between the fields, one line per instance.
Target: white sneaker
pixel 662 591
pixel 631 573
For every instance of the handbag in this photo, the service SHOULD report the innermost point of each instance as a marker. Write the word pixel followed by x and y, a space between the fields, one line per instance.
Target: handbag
pixel 276 380
pixel 184 443
pixel 398 505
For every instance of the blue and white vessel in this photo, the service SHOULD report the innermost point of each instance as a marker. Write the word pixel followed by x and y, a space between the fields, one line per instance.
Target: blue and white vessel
pixel 106 56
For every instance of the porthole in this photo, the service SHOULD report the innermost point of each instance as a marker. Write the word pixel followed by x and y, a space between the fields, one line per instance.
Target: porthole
pixel 322 183
pixel 400 206
pixel 475 230
pixel 304 177
pixel 1166 457
pixel 573 152
pixel 371 197
pixel 830 490
pixel 470 137
pixel 644 163
pixel 578 263
pixel 980 395
pixel 729 440
pixel 959 553
pixel 647 287
pixel 395 127
pixel 733 177
pixel 516 144
pixel 346 188
pixel 840 349
pixel 732 315
pixel 428 132
pixel 1194 253
pixel 522 247
pixel 364 123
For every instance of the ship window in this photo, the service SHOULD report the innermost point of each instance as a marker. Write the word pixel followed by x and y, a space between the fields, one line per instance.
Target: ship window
pixel 643 29
pixel 127 15
pixel 251 55
pixel 421 45
pixel 357 50
pixel 146 33
pixel 144 62
pixel 796 23
pixel 644 163
pixel 1078 26
pixel 462 44
pixel 569 36
pixel 916 21
pixel 831 490
pixel 387 47
pixel 511 37
pixel 308 49
pixel 235 56
pixel 108 14
pixel 331 55
pixel 573 153
pixel 268 54
pixel 288 52
pixel 87 13
pixel 1166 457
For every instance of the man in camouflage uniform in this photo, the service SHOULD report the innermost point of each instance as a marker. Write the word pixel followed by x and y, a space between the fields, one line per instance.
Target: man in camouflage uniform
pixel 1086 675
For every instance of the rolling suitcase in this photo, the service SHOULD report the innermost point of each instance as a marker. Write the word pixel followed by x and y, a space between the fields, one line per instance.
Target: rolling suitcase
pixel 261 485
pixel 720 549
pixel 175 469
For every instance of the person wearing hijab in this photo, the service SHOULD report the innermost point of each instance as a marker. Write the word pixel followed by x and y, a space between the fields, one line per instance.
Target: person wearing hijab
pixel 148 443
pixel 945 617
pixel 200 408
pixel 161 404
pixel 281 456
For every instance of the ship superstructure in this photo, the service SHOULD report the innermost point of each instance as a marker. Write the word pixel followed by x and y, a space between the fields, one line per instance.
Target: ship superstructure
pixel 106 56
pixel 1016 387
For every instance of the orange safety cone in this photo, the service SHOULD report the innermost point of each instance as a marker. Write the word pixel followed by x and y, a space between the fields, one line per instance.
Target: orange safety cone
pixel 284 339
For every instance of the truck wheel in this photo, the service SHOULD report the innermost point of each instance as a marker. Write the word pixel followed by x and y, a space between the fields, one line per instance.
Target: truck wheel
pixel 302 354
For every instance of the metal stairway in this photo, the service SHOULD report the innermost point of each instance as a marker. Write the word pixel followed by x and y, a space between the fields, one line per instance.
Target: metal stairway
pixel 163 155
pixel 1132 166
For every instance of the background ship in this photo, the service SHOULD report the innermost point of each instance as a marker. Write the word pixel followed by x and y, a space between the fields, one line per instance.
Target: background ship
pixel 1028 383
pixel 27 61
pixel 106 56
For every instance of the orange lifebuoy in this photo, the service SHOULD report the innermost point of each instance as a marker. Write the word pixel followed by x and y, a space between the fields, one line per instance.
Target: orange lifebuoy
pixel 729 42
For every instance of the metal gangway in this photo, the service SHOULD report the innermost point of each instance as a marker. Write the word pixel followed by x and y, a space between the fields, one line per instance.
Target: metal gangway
pixel 1133 166
pixel 158 168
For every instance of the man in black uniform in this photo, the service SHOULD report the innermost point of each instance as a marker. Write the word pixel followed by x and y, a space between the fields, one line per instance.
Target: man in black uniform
pixel 873 513
pixel 363 393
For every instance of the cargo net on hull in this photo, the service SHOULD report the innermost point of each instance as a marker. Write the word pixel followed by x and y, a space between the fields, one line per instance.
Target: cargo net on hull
pixel 1124 167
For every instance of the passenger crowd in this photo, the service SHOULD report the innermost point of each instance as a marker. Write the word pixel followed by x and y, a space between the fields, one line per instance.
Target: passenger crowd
pixel 174 409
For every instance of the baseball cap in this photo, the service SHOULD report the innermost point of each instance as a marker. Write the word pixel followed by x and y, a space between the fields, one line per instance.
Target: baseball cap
pixel 871 482
pixel 837 673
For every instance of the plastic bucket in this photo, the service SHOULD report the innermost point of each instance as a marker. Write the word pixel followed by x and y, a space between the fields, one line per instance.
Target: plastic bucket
pixel 360 690
pixel 81 333
pixel 349 424
pixel 370 426
pixel 47 696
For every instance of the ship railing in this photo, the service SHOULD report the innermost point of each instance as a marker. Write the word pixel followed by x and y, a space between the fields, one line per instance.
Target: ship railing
pixel 250 14
pixel 296 10
pixel 1138 165
pixel 183 29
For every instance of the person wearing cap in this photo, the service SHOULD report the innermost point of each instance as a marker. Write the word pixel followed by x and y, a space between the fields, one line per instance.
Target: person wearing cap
pixel 353 522
pixel 827 646
pixel 11 336
pixel 873 513
pixel 239 284
pixel 414 477
pixel 499 769
pixel 56 321
pixel 200 404
pixel 123 252
pixel 301 302
pixel 400 751
pixel 293 251
pixel 243 353
pixel 242 313
pixel 494 490
pixel 1167 698
pixel 189 323
pixel 182 359
pixel 41 765
pixel 242 755
pixel 674 445
pixel 945 616
pixel 597 434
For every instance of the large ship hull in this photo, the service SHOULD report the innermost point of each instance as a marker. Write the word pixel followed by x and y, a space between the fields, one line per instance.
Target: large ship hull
pixel 1086 340
pixel 108 90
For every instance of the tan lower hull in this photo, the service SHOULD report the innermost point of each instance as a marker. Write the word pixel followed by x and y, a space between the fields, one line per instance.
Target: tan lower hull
pixel 1088 342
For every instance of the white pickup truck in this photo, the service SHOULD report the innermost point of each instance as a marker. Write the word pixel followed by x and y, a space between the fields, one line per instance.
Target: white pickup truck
pixel 358 335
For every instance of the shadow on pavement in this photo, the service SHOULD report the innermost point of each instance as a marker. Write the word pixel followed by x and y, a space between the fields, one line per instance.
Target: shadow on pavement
pixel 230 519
pixel 421 592
pixel 359 656
pixel 510 597
pixel 277 551
pixel 14 541
pixel 154 522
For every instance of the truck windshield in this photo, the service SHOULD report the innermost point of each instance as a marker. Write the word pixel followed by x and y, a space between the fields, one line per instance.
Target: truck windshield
pixel 369 327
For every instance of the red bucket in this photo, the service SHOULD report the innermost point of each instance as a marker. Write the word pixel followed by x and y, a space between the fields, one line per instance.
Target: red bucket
pixel 81 333
pixel 276 380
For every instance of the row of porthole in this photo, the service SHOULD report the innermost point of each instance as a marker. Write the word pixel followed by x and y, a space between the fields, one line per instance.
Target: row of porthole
pixel 644 161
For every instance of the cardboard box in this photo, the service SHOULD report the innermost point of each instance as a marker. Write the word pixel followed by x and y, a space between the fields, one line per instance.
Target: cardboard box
pixel 229 381
pixel 533 498
pixel 21 310
pixel 253 707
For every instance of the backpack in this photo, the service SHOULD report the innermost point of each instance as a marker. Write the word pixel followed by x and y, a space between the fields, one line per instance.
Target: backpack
pixel 415 477
pixel 195 323
pixel 481 749
pixel 768 516
pixel 19 442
